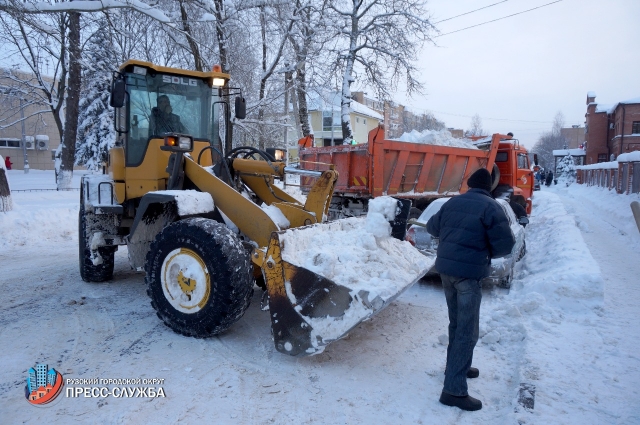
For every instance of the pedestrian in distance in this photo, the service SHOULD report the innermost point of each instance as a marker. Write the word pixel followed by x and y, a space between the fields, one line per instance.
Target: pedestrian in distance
pixel 472 228
pixel 8 163
pixel 549 178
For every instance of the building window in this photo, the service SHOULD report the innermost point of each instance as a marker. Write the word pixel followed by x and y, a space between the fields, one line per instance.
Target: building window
pixel 331 121
pixel 357 119
pixel 635 127
pixel 364 120
pixel 602 157
pixel 9 143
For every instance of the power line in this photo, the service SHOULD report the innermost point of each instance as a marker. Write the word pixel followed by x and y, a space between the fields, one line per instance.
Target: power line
pixel 483 118
pixel 466 13
pixel 498 19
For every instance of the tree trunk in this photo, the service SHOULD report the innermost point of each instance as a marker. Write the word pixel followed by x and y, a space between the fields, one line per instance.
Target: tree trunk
pixel 195 50
pixel 68 148
pixel 301 91
pixel 263 79
pixel 347 79
pixel 220 33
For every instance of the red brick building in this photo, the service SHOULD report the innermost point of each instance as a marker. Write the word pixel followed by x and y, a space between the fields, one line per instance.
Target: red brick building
pixel 611 130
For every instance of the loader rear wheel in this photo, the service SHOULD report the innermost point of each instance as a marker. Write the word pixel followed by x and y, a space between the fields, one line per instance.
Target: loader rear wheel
pixel 199 277
pixel 95 266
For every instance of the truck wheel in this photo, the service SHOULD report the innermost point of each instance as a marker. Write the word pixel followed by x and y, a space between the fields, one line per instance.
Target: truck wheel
pixel 199 277
pixel 523 251
pixel 505 282
pixel 414 212
pixel 495 177
pixel 93 268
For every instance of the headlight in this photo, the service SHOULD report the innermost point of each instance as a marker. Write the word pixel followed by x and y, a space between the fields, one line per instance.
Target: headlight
pixel 177 143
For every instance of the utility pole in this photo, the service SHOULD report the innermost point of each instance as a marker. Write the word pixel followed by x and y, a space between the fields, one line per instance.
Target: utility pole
pixel 24 139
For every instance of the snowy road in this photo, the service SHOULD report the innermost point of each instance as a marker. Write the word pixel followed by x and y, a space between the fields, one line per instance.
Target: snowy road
pixel 562 329
pixel 614 242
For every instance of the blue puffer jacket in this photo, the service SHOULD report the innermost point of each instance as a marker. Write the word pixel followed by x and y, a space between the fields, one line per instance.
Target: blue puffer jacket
pixel 472 228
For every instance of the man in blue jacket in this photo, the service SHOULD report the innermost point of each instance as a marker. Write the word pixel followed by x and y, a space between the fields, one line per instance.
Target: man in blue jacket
pixel 472 229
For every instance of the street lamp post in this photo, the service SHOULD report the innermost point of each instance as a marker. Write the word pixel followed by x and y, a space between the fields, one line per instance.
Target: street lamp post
pixel 24 139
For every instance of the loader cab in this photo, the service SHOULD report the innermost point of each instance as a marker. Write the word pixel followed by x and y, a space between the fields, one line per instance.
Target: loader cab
pixel 150 102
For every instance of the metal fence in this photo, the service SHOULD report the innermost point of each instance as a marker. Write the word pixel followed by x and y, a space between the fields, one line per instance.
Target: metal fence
pixel 624 179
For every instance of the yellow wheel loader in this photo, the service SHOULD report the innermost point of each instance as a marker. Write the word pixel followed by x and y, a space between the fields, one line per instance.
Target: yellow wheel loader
pixel 191 216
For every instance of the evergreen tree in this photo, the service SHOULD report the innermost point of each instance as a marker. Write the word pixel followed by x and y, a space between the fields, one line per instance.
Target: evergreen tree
pixel 566 170
pixel 96 134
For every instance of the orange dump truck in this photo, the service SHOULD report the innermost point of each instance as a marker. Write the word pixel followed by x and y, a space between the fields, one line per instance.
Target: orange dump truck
pixel 416 171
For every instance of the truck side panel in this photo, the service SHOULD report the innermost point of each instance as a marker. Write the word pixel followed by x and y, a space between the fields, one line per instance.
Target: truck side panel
pixel 389 167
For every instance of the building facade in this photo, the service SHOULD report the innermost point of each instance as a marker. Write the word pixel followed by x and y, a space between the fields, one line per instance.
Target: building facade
pixel 574 136
pixel 326 120
pixel 611 130
pixel 26 126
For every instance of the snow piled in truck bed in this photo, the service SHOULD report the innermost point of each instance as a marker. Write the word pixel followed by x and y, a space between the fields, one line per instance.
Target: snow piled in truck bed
pixel 433 137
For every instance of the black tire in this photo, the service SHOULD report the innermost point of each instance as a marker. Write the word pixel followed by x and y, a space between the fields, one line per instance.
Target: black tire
pixel 523 251
pixel 505 282
pixel 414 212
pixel 219 285
pixel 495 177
pixel 89 271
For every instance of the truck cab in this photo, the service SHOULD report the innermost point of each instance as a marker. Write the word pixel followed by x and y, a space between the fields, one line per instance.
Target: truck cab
pixel 516 179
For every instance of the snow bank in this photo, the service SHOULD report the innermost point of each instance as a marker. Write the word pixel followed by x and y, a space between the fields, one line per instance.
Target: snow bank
pixel 433 137
pixel 567 275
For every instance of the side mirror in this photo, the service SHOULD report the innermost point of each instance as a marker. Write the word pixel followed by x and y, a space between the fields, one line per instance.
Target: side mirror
pixel 523 220
pixel 118 90
pixel 241 108
pixel 535 158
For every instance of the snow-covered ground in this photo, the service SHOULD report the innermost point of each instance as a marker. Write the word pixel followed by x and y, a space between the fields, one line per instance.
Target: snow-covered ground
pixel 567 331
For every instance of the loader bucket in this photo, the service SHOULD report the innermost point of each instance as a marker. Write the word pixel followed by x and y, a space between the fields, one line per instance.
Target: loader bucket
pixel 320 289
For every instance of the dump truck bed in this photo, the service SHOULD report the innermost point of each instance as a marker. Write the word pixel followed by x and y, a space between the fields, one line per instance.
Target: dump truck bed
pixel 395 168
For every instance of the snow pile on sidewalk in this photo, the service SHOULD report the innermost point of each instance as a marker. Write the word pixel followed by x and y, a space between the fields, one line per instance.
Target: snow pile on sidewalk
pixel 546 322
pixel 434 137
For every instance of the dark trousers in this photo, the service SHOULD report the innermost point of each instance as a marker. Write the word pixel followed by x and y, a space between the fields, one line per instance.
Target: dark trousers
pixel 463 301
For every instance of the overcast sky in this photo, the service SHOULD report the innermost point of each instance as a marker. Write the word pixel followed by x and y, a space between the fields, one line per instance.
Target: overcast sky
pixel 517 73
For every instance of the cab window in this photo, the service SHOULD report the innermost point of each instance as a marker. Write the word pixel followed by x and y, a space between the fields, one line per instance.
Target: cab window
pixel 502 157
pixel 523 161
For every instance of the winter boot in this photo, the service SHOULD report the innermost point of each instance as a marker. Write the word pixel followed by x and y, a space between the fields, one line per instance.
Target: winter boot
pixel 465 402
pixel 473 372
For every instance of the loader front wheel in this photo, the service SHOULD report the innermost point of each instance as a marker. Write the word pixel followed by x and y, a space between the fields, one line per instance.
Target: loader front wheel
pixel 199 277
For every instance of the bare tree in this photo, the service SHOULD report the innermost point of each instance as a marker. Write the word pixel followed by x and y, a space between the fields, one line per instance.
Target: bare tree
pixel 475 128
pixel 378 43
pixel 550 141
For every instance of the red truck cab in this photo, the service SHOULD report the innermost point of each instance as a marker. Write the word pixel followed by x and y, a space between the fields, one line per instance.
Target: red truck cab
pixel 516 178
